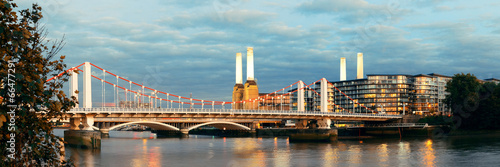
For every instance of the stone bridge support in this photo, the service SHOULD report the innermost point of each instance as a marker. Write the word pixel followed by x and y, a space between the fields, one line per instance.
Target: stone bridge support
pixel 88 122
pixel 301 124
pixel 74 123
pixel 324 123
pixel 82 122
pixel 81 133
pixel 104 128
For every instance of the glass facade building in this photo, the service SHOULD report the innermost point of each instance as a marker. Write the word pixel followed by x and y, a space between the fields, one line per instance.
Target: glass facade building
pixel 383 93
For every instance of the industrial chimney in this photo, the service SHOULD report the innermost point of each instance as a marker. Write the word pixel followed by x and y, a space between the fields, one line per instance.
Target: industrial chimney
pixel 342 69
pixel 360 66
pixel 250 63
pixel 238 89
pixel 239 70
pixel 251 91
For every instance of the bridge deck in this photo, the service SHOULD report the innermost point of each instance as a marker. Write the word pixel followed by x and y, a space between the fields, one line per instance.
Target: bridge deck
pixel 236 113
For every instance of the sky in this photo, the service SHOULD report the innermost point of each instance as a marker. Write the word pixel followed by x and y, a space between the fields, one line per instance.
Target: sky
pixel 189 46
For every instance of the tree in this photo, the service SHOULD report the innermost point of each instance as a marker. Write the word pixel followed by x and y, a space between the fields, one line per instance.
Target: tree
pixel 28 102
pixel 474 105
pixel 489 107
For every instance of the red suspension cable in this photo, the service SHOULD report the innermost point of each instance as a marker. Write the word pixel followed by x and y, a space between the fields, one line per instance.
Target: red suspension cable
pixel 59 75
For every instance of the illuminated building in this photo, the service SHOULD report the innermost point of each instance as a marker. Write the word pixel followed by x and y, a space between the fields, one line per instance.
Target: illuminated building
pixel 389 93
pixel 274 102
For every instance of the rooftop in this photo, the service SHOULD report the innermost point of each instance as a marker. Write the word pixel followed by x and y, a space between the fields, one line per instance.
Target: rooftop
pixel 492 79
pixel 438 75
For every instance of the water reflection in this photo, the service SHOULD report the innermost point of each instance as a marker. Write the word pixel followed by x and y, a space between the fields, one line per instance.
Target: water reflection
pixel 354 154
pixel 249 151
pixel 404 153
pixel 281 153
pixel 429 156
pixel 330 155
pixel 209 151
pixel 83 157
pixel 147 155
pixel 383 154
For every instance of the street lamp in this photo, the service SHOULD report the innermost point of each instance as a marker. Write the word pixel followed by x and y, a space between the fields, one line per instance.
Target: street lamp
pixel 382 110
pixel 404 108
pixel 352 105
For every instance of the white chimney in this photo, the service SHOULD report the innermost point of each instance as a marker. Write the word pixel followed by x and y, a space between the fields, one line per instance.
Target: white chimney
pixel 360 66
pixel 239 70
pixel 250 63
pixel 342 69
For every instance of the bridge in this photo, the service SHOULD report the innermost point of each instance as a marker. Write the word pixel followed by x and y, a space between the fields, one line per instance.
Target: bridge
pixel 106 119
pixel 177 113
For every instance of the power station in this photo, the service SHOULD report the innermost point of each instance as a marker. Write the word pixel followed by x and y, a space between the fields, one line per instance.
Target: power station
pixel 248 91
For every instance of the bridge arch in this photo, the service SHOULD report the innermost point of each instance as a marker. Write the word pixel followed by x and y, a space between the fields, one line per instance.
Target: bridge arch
pixel 151 124
pixel 221 125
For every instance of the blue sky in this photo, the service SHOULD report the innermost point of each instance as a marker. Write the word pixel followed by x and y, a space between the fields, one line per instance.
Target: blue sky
pixel 189 46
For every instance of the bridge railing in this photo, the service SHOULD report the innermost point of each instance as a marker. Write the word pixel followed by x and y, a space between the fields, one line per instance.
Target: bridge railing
pixel 226 111
pixel 399 125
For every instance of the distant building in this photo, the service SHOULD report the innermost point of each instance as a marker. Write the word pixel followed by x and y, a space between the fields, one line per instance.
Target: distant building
pixel 133 104
pixel 309 100
pixel 389 93
pixel 442 80
pixel 274 102
pixel 494 80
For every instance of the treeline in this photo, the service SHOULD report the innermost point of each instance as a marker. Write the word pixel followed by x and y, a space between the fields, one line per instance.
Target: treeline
pixel 475 105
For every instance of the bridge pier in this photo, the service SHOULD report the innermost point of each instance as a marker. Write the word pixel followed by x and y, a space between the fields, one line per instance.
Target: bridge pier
pixel 104 133
pixel 184 133
pixel 104 129
pixel 324 123
pixel 74 123
pixel 84 137
pixel 301 124
pixel 313 124
pixel 88 121
pixel 313 130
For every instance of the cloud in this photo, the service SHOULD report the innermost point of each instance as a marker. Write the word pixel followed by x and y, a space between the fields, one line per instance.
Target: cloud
pixel 179 47
pixel 351 12
pixel 224 19
pixel 442 8
pixel 426 3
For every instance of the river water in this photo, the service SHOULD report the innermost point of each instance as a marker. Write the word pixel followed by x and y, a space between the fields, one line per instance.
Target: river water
pixel 142 149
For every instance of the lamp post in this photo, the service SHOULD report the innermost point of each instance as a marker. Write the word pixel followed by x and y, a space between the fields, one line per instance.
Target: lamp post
pixel 382 111
pixel 404 108
pixel 352 105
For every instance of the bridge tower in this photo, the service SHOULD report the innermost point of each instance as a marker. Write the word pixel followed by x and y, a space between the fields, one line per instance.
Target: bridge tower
pixel 73 85
pixel 87 86
pixel 238 89
pixel 251 90
pixel 300 97
pixel 324 95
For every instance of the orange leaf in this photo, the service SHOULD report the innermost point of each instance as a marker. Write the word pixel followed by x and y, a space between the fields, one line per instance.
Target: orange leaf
pixel 2 120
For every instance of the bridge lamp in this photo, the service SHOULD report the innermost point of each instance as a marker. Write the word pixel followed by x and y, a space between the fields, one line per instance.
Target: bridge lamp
pixel 352 105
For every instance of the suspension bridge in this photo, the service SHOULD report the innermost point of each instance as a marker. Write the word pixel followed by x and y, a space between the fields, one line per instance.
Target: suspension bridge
pixel 161 110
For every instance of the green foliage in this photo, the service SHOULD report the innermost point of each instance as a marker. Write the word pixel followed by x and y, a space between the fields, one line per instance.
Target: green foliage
pixel 27 61
pixel 474 105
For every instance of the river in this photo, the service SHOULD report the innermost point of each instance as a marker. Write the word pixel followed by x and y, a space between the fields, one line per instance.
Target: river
pixel 142 149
